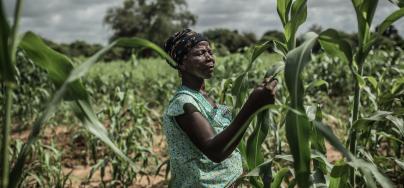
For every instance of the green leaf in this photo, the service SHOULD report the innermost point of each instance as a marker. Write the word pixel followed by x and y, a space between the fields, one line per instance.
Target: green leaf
pixel 255 154
pixel 390 20
pixel 372 80
pixel 371 97
pixel 317 83
pixel 399 3
pixel 370 172
pixel 399 163
pixel 279 48
pixel 360 80
pixel 86 114
pixel 276 183
pixel 239 90
pixel 57 65
pixel 7 70
pixel 275 70
pixel 398 122
pixel 318 144
pixel 288 158
pixel 298 126
pixel 369 9
pixel 245 125
pixel 363 123
pixel 367 169
pixel 298 17
pixel 242 148
pixel 397 84
pixel 334 45
pixel 339 176
pixel 391 137
pixel 326 131
pixel 364 13
pixel 257 51
pixel 283 8
pixel 295 62
pixel 257 171
pixel 299 12
pixel 143 43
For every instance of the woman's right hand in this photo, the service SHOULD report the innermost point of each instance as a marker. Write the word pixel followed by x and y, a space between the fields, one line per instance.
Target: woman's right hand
pixel 263 94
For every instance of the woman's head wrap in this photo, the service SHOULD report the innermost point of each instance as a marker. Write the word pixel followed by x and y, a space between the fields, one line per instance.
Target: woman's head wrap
pixel 178 45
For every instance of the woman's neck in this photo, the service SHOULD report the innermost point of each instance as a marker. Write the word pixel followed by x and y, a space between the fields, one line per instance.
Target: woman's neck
pixel 193 82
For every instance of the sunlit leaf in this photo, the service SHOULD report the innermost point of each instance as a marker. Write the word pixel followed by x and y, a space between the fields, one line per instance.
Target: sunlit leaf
pixel 298 126
pixel 283 8
pixel 255 154
pixel 396 15
pixel 334 45
pixel 276 183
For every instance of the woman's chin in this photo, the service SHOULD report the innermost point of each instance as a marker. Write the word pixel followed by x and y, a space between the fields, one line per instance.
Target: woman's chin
pixel 209 75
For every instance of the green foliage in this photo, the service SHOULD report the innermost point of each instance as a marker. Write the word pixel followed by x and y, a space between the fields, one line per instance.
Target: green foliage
pixel 232 40
pixel 131 128
pixel 61 72
pixel 47 171
pixel 154 20
pixel 129 98
pixel 292 15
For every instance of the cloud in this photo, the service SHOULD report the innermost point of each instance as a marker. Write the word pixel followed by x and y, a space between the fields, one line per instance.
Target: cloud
pixel 69 20
pixel 65 21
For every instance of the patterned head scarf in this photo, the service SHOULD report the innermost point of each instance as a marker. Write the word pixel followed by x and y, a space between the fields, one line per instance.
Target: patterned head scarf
pixel 178 45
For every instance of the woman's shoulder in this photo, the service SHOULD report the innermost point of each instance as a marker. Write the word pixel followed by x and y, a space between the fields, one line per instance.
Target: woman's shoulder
pixel 176 104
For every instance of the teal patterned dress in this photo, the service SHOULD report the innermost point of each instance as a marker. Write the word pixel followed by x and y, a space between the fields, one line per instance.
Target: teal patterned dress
pixel 189 166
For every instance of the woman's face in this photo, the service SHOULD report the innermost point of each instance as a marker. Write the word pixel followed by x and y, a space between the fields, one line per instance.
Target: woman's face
pixel 199 61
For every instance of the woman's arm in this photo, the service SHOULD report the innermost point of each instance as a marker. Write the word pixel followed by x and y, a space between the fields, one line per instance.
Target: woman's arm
pixel 204 137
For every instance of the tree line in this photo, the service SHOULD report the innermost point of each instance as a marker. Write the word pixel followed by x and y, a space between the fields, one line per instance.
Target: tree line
pixel 156 20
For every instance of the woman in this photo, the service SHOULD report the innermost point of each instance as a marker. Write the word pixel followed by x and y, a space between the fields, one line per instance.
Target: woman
pixel 196 127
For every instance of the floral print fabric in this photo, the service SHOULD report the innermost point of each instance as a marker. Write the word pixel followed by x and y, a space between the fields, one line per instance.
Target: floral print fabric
pixel 189 166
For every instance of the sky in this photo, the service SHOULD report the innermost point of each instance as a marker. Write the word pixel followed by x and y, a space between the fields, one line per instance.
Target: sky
pixel 70 20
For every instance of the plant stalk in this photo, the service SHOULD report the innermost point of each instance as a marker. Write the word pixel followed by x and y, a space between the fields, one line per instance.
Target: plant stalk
pixel 12 44
pixel 355 116
pixel 355 112
pixel 5 137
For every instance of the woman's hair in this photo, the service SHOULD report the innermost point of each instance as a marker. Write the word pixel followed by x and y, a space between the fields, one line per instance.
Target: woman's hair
pixel 178 45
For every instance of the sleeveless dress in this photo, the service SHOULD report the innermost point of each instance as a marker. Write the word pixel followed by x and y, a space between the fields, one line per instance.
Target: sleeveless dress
pixel 188 165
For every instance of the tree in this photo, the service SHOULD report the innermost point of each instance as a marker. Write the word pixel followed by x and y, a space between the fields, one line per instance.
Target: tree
pixel 154 20
pixel 390 39
pixel 273 35
pixel 232 40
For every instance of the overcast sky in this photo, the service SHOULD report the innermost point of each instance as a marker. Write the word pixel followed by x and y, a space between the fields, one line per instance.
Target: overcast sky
pixel 69 20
